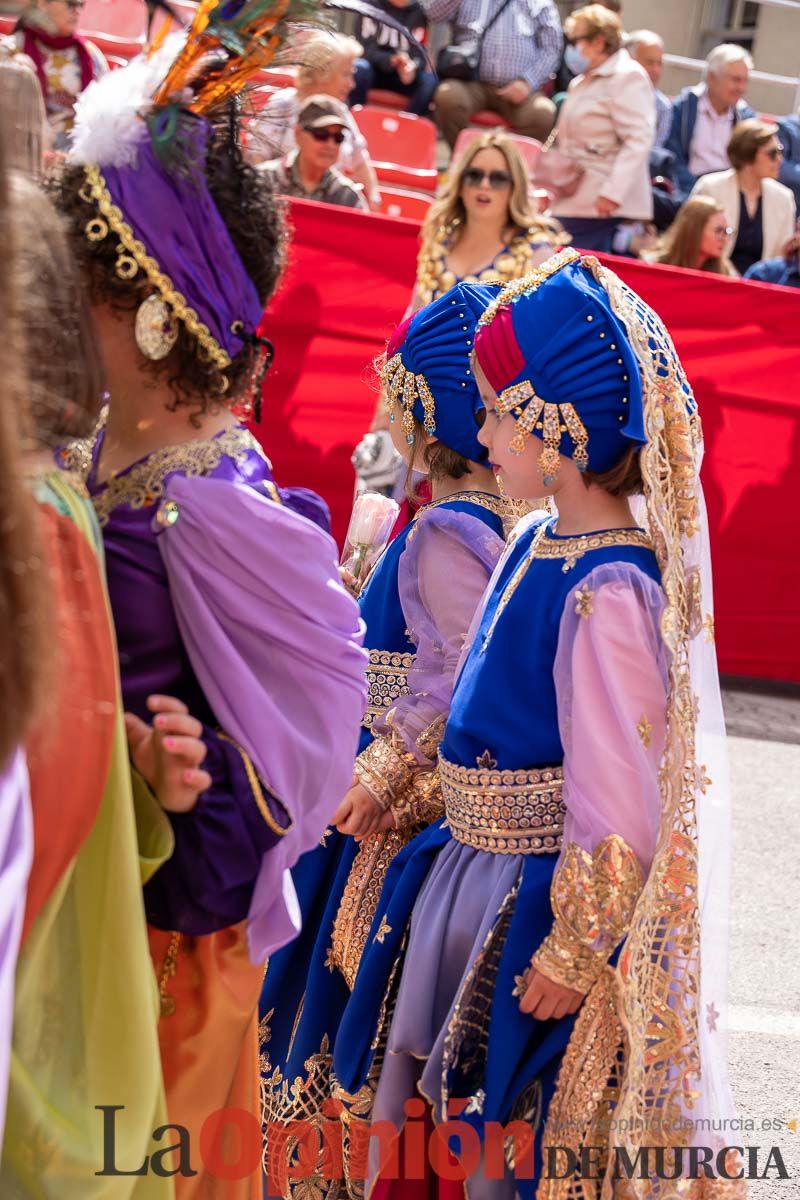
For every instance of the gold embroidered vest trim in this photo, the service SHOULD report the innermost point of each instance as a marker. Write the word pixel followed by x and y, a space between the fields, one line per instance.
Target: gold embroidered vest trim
pixel 504 812
pixel 387 680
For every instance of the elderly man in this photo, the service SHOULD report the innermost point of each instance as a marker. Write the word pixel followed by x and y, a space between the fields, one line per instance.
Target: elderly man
pixel 520 49
pixel 703 116
pixel 309 171
pixel 647 48
pixel 65 62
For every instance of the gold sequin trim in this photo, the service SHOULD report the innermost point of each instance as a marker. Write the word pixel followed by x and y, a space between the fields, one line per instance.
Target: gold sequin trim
pixel 434 277
pixel 504 812
pixel 387 680
pixel 143 484
pixel 161 282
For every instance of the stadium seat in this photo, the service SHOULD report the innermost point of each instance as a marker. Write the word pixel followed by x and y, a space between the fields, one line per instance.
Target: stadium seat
pixel 492 120
pixel 7 25
pixel 398 203
pixel 117 26
pixel 529 148
pixel 402 147
pixel 380 98
pixel 260 97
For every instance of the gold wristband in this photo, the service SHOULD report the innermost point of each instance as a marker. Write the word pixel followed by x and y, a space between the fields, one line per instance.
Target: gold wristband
pixel 593 898
pixel 422 802
pixel 384 771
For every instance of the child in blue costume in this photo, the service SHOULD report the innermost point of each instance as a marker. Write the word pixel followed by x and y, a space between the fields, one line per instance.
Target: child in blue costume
pixel 417 605
pixel 574 788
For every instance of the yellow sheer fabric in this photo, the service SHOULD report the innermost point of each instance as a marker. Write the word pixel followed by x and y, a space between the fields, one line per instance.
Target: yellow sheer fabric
pixel 86 1006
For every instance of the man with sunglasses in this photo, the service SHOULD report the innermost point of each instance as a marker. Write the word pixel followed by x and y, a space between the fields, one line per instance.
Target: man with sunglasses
pixel 309 171
pixel 47 32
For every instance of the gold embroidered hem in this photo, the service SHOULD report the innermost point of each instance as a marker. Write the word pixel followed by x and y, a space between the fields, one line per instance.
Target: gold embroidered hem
pixel 360 898
pixel 143 483
pixel 387 681
pixel 573 548
pixel 504 812
pixel 579 1113
pixel 593 898
pixel 384 770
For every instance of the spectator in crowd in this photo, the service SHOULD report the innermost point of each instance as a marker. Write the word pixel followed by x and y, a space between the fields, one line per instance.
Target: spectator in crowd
pixel 760 211
pixel 789 134
pixel 647 48
pixel 309 171
pixel 697 238
pixel 327 68
pixel 784 270
pixel 483 227
pixel 519 54
pixel 65 63
pixel 703 116
pixel 605 128
pixel 564 75
pixel 26 133
pixel 392 63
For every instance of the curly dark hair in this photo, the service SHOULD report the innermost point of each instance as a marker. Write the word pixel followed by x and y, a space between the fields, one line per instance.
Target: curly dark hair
pixel 254 218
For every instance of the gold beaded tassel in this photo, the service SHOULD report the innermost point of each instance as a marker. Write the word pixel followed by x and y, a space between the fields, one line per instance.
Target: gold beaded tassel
pixel 428 404
pixel 577 431
pixel 409 396
pixel 549 459
pixel 526 425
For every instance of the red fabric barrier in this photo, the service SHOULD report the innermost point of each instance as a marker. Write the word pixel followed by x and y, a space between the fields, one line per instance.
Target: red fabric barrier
pixel 349 280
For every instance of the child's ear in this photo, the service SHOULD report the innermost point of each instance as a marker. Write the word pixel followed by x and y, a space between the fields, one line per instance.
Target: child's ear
pixel 429 439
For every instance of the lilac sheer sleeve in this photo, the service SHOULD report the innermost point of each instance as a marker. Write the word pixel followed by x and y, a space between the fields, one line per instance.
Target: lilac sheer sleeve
pixel 611 685
pixel 442 574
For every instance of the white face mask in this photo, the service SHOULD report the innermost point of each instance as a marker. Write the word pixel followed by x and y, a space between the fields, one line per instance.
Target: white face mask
pixel 575 61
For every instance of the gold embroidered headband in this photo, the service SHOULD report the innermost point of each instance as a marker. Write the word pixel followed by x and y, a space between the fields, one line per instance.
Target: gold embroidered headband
pixel 551 419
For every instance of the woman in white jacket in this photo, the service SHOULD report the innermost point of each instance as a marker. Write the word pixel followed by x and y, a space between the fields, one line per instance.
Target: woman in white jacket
pixel 606 126
pixel 760 211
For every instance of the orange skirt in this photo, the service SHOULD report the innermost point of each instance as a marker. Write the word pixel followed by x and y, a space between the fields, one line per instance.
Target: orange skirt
pixel 208 1033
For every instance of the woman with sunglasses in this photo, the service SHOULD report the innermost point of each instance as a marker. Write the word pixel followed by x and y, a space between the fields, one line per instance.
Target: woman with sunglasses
pixel 483 227
pixel 760 211
pixel 697 238
pixel 65 62
pixel 309 171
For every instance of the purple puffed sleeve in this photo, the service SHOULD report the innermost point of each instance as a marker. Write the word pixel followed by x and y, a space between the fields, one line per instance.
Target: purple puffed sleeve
pixel 442 575
pixel 611 685
pixel 207 883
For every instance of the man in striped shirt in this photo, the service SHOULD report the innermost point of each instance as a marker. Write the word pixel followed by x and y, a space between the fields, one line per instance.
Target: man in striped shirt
pixel 520 53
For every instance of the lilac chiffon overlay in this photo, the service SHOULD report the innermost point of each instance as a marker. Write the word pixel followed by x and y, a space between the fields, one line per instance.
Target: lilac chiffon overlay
pixel 16 853
pixel 275 643
pixel 610 672
pixel 442 575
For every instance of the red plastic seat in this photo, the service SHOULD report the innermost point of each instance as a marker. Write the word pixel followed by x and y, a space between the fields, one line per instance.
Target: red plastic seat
pixel 402 147
pixel 260 97
pixel 381 98
pixel 276 77
pixel 120 20
pixel 529 148
pixel 413 206
pixel 7 25
pixel 492 120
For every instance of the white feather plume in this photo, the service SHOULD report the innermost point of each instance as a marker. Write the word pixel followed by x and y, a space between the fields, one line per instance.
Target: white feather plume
pixel 108 115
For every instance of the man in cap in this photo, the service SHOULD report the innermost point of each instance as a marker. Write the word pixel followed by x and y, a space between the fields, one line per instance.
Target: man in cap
pixel 309 171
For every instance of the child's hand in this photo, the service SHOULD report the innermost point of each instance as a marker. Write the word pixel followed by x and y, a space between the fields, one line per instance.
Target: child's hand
pixel 546 1000
pixel 169 752
pixel 358 814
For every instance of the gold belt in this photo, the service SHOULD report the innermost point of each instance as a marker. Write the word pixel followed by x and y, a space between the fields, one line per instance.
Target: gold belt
pixel 504 812
pixel 387 679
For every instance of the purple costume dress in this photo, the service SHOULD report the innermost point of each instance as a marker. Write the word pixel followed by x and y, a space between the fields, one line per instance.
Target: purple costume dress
pixel 226 598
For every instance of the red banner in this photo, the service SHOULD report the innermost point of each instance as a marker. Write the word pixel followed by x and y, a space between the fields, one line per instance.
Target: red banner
pixel 349 281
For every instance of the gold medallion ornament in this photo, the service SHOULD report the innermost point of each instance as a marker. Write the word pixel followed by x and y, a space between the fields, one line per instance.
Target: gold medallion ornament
pixel 156 330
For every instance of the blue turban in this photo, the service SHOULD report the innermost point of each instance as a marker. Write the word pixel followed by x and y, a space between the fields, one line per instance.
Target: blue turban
pixel 429 373
pixel 563 365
